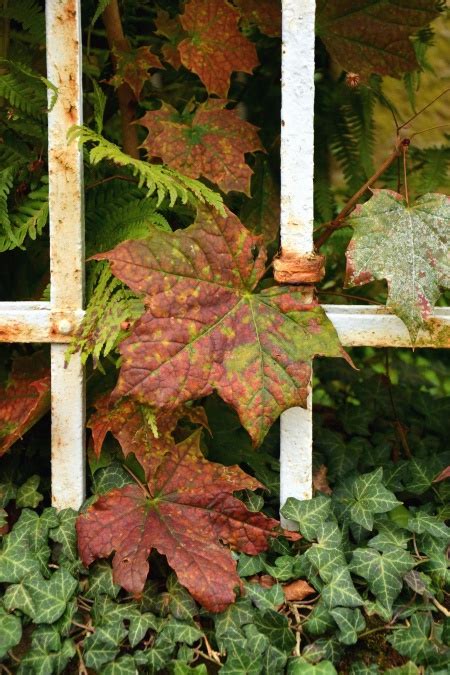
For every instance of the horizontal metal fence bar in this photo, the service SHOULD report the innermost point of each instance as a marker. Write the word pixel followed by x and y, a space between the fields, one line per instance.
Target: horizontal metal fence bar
pixel 37 322
pixel 359 326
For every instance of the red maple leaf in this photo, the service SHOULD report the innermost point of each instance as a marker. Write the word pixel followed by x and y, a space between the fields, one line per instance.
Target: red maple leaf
pixel 266 14
pixel 23 400
pixel 188 513
pixel 207 329
pixel 170 28
pixel 137 429
pixel 132 67
pixel 214 47
pixel 211 143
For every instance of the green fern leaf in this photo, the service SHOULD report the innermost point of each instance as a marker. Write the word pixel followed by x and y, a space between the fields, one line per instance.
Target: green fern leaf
pixel 29 14
pixel 158 180
pixel 110 306
pixel 25 90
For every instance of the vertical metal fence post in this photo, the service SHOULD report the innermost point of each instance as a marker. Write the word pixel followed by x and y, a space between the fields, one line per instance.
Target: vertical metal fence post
pixel 64 54
pixel 297 165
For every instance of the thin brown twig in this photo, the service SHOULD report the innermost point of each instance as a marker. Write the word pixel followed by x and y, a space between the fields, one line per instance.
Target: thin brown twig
pixel 422 131
pixel 405 177
pixel 82 670
pixel 425 107
pixel 87 629
pixel 96 183
pixel 337 222
pixel 350 296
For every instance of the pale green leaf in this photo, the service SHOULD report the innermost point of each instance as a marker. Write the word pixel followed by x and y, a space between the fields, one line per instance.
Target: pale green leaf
pixel 407 246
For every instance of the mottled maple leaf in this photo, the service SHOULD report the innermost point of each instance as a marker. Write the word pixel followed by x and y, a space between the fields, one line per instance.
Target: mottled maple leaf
pixel 406 245
pixel 215 48
pixel 207 329
pixel 138 429
pixel 23 400
pixel 188 513
pixel 265 14
pixel 170 28
pixel 373 37
pixel 212 143
pixel 132 67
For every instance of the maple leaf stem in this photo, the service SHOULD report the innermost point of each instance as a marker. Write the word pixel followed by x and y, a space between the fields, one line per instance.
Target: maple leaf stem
pixel 337 222
pixel 405 176
pixel 135 478
pixel 118 41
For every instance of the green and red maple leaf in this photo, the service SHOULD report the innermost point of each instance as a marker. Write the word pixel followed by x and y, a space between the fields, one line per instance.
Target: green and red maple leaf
pixel 186 511
pixel 408 245
pixel 23 400
pixel 214 47
pixel 373 37
pixel 265 14
pixel 132 67
pixel 212 143
pixel 170 28
pixel 207 328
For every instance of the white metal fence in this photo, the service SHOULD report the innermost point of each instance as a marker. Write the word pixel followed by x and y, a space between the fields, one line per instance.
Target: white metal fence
pixel 54 322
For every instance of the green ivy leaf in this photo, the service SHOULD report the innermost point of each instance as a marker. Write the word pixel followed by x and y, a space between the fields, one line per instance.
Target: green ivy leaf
pixel 28 495
pixel 242 664
pixel 320 620
pixel 180 668
pixel 327 555
pixel 273 661
pixel 40 661
pixel 419 474
pixel 309 514
pixel 158 656
pixel 47 637
pixel 265 598
pixel 360 668
pixel 65 533
pixel 103 645
pixel 181 603
pixel 235 616
pixel 16 559
pixel 250 564
pixel 301 666
pixel 276 627
pixel 350 623
pixel 383 571
pixel 125 665
pixel 10 633
pixel 360 499
pixel 340 591
pixel 41 599
pixel 413 641
pixel 180 631
pixel 423 523
pixel 140 625
pixel 101 581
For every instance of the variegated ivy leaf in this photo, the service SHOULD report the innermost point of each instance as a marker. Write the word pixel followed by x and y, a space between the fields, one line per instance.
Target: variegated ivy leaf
pixel 406 245
pixel 10 633
pixel 300 666
pixel 361 498
pixel 276 627
pixel 340 591
pixel 384 572
pixel 28 495
pixel 40 660
pixel 309 514
pixel 126 665
pixel 350 623
pixel 43 600
pixel 327 556
pixel 103 645
pixel 413 641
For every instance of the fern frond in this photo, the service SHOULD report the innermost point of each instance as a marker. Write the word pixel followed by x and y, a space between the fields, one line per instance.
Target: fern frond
pixel 117 211
pixel 111 304
pixel 6 183
pixel 24 89
pixel 159 180
pixel 29 14
pixel 27 220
